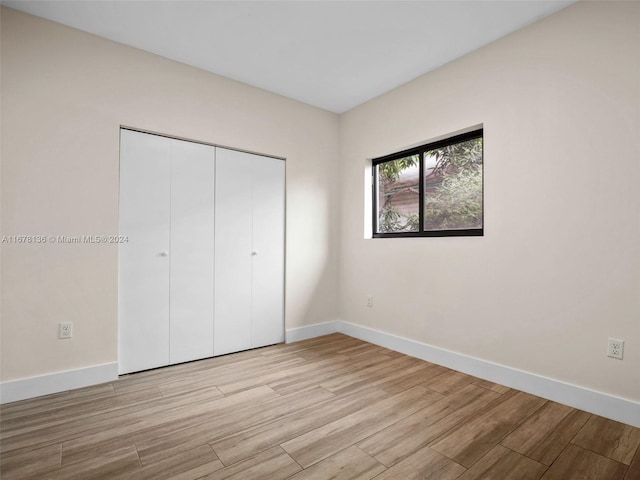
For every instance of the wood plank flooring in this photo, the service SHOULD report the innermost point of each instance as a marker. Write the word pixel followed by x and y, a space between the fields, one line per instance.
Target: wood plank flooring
pixel 332 407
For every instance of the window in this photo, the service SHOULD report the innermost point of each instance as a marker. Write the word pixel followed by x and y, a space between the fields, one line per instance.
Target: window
pixel 434 190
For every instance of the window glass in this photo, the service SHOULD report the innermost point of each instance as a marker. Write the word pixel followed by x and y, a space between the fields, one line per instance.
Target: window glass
pixel 399 195
pixel 453 186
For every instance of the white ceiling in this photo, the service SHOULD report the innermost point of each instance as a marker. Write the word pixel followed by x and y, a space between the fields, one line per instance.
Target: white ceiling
pixel 331 54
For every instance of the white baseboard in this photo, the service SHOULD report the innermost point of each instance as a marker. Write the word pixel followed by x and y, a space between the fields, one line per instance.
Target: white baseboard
pixel 57 382
pixel 605 405
pixel 310 331
pixel 31 387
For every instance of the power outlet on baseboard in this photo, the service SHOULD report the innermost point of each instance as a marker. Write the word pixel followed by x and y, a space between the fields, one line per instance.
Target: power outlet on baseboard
pixel 615 348
pixel 65 330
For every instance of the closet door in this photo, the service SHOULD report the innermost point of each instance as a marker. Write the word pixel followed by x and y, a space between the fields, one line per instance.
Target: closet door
pixel 249 279
pixel 234 205
pixel 267 283
pixel 192 249
pixel 143 262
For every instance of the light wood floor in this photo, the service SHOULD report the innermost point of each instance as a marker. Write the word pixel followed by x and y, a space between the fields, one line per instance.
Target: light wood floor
pixel 328 408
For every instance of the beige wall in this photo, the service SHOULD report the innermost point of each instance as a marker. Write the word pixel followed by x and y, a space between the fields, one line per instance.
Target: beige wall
pixel 64 96
pixel 558 270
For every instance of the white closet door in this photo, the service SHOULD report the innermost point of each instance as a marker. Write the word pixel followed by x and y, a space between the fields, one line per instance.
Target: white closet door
pixel 143 273
pixel 192 249
pixel 267 299
pixel 232 326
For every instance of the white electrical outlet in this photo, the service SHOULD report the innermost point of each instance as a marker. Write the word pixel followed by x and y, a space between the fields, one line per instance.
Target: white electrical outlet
pixel 370 301
pixel 65 330
pixel 615 348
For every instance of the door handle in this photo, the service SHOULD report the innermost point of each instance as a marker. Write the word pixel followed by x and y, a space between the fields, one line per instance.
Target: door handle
pixel 164 254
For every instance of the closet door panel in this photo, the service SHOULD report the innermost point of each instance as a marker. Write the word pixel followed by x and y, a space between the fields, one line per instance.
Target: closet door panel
pixel 143 273
pixel 192 250
pixel 267 301
pixel 233 224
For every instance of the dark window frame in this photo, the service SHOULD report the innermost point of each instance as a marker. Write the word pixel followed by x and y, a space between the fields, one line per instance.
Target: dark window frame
pixel 420 151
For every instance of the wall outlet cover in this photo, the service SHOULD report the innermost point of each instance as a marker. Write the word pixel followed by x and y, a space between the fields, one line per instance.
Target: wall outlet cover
pixel 615 348
pixel 65 330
